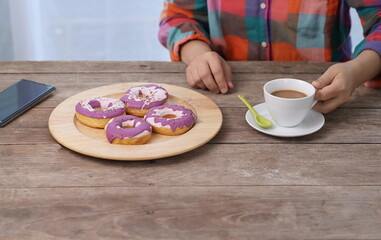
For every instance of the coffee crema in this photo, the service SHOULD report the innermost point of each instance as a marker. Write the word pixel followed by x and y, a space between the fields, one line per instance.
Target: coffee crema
pixel 289 94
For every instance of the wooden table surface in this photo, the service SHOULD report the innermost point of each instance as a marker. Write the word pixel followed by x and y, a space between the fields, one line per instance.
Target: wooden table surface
pixel 242 184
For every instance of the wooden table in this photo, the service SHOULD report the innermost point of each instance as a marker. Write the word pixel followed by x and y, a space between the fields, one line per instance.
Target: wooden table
pixel 241 185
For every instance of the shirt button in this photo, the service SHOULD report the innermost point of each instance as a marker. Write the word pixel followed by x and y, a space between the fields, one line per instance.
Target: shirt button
pixel 263 5
pixel 264 44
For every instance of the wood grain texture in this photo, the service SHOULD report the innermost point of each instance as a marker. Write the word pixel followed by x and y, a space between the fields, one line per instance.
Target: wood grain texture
pixel 209 165
pixel 240 185
pixel 271 212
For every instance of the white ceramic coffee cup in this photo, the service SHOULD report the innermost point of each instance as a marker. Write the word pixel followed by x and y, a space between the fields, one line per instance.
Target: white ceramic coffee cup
pixel 289 112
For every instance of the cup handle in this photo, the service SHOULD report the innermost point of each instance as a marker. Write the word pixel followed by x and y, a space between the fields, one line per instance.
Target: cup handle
pixel 313 103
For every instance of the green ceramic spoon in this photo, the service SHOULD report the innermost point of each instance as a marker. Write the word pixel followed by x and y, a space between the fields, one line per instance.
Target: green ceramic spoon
pixel 259 119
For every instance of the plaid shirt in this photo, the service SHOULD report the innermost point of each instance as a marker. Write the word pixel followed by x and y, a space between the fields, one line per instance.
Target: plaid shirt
pixel 279 30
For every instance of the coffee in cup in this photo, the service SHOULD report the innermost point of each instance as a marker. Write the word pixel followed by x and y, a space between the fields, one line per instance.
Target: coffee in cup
pixel 289 100
pixel 288 93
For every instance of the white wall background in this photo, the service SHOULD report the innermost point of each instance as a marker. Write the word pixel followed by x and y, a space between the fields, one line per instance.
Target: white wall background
pixel 6 45
pixel 119 30
pixel 86 29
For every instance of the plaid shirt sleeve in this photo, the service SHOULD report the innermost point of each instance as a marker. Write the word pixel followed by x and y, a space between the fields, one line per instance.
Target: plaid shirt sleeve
pixel 182 21
pixel 370 15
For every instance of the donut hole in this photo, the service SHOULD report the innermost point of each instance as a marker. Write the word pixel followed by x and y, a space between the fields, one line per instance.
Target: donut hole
pixel 128 124
pixel 169 116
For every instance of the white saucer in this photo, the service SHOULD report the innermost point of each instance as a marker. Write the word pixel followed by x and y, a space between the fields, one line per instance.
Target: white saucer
pixel 312 123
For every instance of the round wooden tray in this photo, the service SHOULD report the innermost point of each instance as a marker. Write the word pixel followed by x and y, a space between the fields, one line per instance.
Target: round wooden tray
pixel 92 142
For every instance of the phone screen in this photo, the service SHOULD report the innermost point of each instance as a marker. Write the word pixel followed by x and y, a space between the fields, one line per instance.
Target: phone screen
pixel 21 96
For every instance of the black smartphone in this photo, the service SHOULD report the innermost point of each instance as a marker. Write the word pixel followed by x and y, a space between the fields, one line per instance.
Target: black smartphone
pixel 20 97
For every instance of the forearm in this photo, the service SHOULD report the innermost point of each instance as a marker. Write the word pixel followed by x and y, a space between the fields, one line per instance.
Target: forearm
pixel 182 22
pixel 366 66
pixel 193 49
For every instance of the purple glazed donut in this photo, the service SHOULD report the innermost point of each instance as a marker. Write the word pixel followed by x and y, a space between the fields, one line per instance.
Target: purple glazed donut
pixel 170 119
pixel 96 112
pixel 141 98
pixel 129 130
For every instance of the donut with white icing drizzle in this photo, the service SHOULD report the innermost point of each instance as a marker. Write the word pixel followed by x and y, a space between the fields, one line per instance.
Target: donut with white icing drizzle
pixel 96 112
pixel 128 129
pixel 170 119
pixel 140 99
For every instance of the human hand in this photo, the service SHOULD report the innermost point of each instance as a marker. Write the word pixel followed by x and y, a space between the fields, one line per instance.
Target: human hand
pixel 206 69
pixel 337 84
pixel 335 87
pixel 210 71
